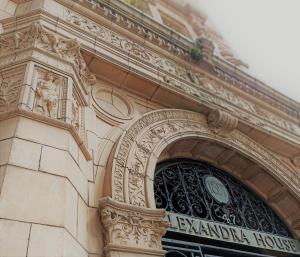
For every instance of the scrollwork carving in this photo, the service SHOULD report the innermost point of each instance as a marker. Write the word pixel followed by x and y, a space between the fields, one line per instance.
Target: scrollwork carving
pixel 221 122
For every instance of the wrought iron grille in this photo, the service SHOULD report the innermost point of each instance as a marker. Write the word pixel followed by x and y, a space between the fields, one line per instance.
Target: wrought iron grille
pixel 176 248
pixel 180 187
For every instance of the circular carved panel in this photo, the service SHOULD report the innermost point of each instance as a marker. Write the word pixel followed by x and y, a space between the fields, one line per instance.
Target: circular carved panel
pixel 112 105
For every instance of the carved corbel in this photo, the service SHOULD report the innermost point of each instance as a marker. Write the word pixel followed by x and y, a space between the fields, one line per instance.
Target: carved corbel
pixel 132 229
pixel 296 161
pixel 221 122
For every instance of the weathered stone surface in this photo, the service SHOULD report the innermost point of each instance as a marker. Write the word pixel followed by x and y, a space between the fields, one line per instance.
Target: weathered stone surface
pixel 13 238
pixel 25 154
pixel 50 241
pixel 24 190
pixel 5 148
pixel 60 162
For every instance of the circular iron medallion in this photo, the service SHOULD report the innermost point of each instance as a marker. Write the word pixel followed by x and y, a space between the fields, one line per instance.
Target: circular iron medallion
pixel 216 189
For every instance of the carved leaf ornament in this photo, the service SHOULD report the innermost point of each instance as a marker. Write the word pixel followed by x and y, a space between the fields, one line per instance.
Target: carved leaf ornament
pixel 39 37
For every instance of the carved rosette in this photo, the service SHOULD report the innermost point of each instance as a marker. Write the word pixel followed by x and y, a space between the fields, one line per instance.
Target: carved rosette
pixel 221 122
pixel 129 228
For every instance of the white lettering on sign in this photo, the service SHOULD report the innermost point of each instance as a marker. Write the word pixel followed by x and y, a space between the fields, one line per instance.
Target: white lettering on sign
pixel 218 231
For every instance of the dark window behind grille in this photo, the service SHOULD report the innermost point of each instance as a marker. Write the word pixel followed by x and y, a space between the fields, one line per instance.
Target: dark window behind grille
pixel 179 188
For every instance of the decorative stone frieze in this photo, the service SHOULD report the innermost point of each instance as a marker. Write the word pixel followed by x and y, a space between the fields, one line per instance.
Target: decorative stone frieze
pixel 39 37
pixel 193 83
pixel 132 229
pixel 207 47
pixel 221 122
pixel 261 116
pixel 138 28
pixel 147 137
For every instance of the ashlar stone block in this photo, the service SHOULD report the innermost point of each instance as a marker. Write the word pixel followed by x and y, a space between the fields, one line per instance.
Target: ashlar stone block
pixel 50 241
pixel 25 154
pixel 5 147
pixel 13 238
pixel 37 197
pixel 7 128
pixel 60 162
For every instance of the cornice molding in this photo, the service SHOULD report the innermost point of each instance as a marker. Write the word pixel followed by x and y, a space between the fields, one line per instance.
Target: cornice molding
pixel 199 86
pixel 158 34
pixel 53 122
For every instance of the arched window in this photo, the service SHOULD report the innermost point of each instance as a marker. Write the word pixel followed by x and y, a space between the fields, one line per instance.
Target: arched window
pixel 213 214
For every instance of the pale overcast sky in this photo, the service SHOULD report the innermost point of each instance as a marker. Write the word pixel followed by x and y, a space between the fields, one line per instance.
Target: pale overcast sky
pixel 265 34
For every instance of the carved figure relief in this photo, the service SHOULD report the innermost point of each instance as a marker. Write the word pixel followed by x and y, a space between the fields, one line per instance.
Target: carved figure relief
pixel 49 94
pixel 10 87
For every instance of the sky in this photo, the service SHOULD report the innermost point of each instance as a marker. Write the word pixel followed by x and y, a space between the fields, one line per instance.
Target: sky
pixel 263 33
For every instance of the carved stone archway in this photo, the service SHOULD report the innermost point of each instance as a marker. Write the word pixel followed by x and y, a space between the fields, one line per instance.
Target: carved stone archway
pixel 138 150
pixel 140 146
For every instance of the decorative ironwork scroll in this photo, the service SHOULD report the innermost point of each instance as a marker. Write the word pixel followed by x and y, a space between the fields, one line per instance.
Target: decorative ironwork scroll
pixel 201 190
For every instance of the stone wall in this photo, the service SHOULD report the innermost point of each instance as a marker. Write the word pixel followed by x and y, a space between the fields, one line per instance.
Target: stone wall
pixel 86 112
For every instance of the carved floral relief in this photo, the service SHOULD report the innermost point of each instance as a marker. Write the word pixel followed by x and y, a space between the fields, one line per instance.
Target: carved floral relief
pixel 131 227
pixel 38 36
pixel 182 78
pixel 77 114
pixel 10 88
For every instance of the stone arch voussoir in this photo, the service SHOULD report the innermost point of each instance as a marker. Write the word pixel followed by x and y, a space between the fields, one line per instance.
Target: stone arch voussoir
pixel 141 143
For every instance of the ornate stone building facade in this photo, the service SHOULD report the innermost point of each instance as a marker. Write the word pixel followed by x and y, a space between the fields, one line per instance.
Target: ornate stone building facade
pixel 95 93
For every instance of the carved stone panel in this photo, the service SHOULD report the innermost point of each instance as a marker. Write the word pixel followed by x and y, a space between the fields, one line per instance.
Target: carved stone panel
pixel 50 94
pixel 10 88
pixel 38 36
